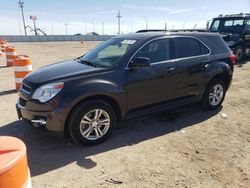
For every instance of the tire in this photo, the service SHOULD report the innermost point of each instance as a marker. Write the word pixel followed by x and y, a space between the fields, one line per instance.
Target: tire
pixel 212 97
pixel 239 53
pixel 85 126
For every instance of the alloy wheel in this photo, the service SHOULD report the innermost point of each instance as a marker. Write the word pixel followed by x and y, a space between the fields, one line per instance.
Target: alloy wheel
pixel 216 95
pixel 95 124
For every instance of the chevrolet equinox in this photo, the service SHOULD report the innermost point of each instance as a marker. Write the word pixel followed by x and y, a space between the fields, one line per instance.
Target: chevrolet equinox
pixel 127 76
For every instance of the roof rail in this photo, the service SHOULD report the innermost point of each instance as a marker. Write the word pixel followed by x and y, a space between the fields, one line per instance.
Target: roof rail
pixel 151 30
pixel 188 30
pixel 173 30
pixel 234 15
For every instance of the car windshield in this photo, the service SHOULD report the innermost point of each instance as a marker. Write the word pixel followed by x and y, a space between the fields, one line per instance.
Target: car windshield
pixel 108 53
pixel 227 25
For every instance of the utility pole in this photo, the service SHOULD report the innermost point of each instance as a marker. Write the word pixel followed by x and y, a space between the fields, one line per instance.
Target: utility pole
pixel 66 28
pixel 166 26
pixel 21 5
pixel 119 22
pixel 52 29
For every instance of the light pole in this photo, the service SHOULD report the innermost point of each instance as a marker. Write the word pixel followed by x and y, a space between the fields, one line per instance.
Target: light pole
pixel 102 28
pixel 66 28
pixel 119 22
pixel 21 5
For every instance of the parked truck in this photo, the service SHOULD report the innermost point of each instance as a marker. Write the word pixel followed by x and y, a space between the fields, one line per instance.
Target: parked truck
pixel 235 30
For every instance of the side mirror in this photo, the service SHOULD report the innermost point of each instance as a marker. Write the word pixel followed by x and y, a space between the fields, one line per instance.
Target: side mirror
pixel 139 62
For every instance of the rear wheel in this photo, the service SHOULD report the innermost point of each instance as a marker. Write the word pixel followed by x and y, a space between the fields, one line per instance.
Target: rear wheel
pixel 92 122
pixel 214 94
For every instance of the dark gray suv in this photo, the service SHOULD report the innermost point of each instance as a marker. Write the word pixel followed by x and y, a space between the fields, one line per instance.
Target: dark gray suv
pixel 127 76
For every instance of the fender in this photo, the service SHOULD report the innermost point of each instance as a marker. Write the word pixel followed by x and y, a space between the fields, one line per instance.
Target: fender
pixel 99 87
pixel 217 68
pixel 91 88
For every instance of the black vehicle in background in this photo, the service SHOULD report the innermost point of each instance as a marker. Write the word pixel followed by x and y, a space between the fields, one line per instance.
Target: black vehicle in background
pixel 124 77
pixel 235 30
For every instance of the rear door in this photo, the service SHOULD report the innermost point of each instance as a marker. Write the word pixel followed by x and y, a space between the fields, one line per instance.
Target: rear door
pixel 192 58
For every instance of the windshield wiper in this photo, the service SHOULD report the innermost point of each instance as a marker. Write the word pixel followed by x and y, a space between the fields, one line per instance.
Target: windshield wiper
pixel 89 63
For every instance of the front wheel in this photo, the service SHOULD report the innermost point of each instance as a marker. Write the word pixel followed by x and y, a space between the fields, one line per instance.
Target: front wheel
pixel 214 94
pixel 92 122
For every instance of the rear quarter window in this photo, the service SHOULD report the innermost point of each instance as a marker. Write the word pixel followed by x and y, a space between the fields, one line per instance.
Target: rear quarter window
pixel 217 44
pixel 189 47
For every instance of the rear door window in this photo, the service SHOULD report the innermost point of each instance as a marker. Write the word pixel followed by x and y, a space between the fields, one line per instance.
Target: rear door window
pixel 189 47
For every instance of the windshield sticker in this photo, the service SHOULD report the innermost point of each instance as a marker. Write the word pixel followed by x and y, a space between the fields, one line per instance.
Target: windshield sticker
pixel 128 41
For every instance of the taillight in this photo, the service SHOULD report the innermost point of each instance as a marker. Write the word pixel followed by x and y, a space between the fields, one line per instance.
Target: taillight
pixel 233 58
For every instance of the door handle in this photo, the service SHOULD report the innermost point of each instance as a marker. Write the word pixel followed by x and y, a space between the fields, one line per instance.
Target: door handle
pixel 206 60
pixel 169 69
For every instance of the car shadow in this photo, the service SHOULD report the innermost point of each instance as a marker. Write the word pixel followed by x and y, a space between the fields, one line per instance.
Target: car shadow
pixel 3 66
pixel 47 153
pixel 2 93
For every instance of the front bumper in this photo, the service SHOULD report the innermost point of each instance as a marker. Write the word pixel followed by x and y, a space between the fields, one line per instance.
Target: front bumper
pixel 41 115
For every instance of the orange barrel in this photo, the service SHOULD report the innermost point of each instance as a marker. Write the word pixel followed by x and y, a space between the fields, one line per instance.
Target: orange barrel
pixel 1 52
pixel 14 170
pixel 3 44
pixel 22 67
pixel 10 55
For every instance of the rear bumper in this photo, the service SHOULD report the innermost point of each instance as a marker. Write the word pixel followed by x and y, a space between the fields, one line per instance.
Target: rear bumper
pixel 51 120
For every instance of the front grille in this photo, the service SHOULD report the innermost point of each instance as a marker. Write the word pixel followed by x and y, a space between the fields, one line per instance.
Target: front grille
pixel 22 102
pixel 25 89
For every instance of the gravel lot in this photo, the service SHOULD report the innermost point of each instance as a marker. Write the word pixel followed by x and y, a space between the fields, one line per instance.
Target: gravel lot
pixel 185 147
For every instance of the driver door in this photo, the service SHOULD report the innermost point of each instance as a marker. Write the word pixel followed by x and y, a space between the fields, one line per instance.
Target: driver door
pixel 153 84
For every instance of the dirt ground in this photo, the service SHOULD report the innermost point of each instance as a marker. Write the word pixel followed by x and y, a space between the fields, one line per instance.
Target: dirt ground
pixel 186 147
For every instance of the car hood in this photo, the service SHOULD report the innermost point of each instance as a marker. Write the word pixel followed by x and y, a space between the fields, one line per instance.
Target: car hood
pixel 59 71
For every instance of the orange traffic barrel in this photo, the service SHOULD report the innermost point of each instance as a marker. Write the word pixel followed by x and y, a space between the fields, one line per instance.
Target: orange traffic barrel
pixel 3 44
pixel 14 170
pixel 10 55
pixel 22 67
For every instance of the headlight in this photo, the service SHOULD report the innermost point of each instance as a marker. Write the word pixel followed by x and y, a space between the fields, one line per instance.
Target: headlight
pixel 231 43
pixel 47 92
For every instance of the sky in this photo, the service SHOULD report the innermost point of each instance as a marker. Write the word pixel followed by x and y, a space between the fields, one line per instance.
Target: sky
pixel 82 16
